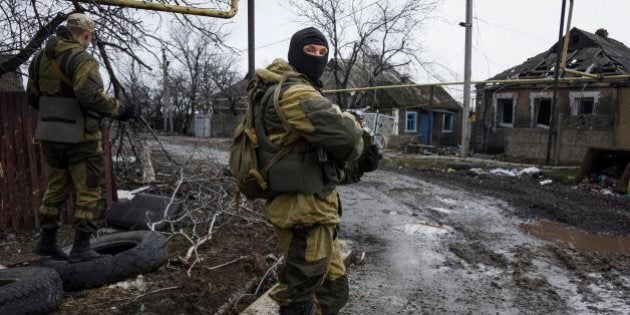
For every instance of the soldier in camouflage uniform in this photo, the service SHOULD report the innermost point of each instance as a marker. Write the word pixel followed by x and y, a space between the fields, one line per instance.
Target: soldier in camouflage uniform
pixel 298 117
pixel 64 72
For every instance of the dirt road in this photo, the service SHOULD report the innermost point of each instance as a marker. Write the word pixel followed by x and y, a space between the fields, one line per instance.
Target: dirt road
pixel 433 249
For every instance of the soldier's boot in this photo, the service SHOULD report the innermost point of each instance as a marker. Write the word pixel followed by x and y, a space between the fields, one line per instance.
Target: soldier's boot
pixel 304 308
pixel 81 250
pixel 47 245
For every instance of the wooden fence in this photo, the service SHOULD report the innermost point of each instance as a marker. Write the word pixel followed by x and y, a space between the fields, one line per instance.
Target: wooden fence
pixel 22 169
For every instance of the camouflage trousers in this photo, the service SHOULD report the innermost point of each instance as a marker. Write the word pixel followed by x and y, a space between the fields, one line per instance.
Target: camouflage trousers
pixel 312 269
pixel 73 166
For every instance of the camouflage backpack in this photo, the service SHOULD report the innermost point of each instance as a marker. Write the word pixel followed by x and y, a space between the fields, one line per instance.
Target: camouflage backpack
pixel 251 179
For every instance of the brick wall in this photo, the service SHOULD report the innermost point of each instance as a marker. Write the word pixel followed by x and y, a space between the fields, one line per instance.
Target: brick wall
pixel 487 136
pixel 530 144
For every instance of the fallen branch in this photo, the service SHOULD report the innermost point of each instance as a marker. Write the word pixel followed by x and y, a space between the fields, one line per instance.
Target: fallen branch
pixel 133 299
pixel 273 267
pixel 227 263
pixel 155 291
pixel 193 249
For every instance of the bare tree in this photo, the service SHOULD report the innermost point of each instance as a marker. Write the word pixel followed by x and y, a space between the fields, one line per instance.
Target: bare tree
pixel 372 35
pixel 26 24
pixel 201 70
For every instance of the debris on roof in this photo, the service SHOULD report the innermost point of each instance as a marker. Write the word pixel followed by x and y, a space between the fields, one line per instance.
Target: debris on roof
pixel 591 53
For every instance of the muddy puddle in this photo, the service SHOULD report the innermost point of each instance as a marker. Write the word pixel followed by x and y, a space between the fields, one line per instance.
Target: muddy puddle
pixel 557 232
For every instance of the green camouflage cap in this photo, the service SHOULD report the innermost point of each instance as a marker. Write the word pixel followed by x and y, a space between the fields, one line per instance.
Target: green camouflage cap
pixel 80 21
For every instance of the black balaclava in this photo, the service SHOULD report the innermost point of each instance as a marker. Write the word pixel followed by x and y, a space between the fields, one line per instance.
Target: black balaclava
pixel 312 67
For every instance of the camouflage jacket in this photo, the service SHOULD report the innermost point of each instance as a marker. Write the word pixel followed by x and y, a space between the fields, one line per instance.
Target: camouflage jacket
pixel 63 68
pixel 314 119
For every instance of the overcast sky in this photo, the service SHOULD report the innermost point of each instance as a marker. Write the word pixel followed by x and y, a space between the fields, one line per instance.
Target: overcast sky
pixel 505 33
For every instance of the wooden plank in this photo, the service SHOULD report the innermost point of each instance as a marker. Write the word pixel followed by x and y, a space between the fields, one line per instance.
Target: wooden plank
pixel 12 189
pixel 35 189
pixel 5 205
pixel 109 174
pixel 22 171
pixel 4 195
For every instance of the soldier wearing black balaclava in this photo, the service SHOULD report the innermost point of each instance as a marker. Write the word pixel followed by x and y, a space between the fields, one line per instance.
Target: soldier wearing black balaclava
pixel 310 66
pixel 305 144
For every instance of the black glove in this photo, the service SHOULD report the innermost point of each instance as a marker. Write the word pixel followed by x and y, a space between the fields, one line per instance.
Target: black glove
pixel 130 112
pixel 368 162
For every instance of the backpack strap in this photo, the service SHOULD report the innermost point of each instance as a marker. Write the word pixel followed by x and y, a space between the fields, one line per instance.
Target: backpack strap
pixel 276 101
pixel 36 68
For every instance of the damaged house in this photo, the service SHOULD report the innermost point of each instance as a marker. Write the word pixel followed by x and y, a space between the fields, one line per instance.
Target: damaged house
pixel 513 119
pixel 426 115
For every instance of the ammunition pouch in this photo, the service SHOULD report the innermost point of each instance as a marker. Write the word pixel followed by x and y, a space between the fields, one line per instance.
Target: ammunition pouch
pixel 61 119
pixel 296 173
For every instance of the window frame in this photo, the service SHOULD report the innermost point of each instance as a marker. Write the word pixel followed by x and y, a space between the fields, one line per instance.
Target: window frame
pixel 444 115
pixel 533 96
pixel 573 101
pixel 415 119
pixel 495 102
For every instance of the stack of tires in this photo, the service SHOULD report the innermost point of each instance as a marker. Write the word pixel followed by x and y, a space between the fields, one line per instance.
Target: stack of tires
pixel 39 289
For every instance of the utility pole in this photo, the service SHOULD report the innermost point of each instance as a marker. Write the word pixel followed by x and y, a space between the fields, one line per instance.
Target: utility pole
pixel 554 101
pixel 467 77
pixel 251 42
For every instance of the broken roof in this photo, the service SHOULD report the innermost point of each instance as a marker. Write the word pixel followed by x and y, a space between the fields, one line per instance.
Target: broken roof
pixel 588 52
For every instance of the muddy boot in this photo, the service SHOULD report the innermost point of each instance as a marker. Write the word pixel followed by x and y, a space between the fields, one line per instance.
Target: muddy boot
pixel 304 308
pixel 81 248
pixel 47 245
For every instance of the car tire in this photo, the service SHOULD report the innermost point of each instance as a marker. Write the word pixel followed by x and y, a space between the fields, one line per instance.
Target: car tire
pixel 29 290
pixel 128 254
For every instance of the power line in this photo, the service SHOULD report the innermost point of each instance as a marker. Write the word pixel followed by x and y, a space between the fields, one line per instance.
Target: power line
pixel 289 38
pixel 513 30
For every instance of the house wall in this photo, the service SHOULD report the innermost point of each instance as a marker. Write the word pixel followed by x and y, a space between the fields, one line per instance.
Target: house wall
pixel 622 134
pixel 530 144
pixel 489 136
pixel 439 138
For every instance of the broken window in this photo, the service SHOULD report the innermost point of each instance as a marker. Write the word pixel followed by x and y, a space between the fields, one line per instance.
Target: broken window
pixel 505 111
pixel 412 122
pixel 585 105
pixel 542 111
pixel 447 123
pixel 584 102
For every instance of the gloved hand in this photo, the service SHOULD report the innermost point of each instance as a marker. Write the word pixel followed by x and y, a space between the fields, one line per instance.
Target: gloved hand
pixel 368 162
pixel 130 112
